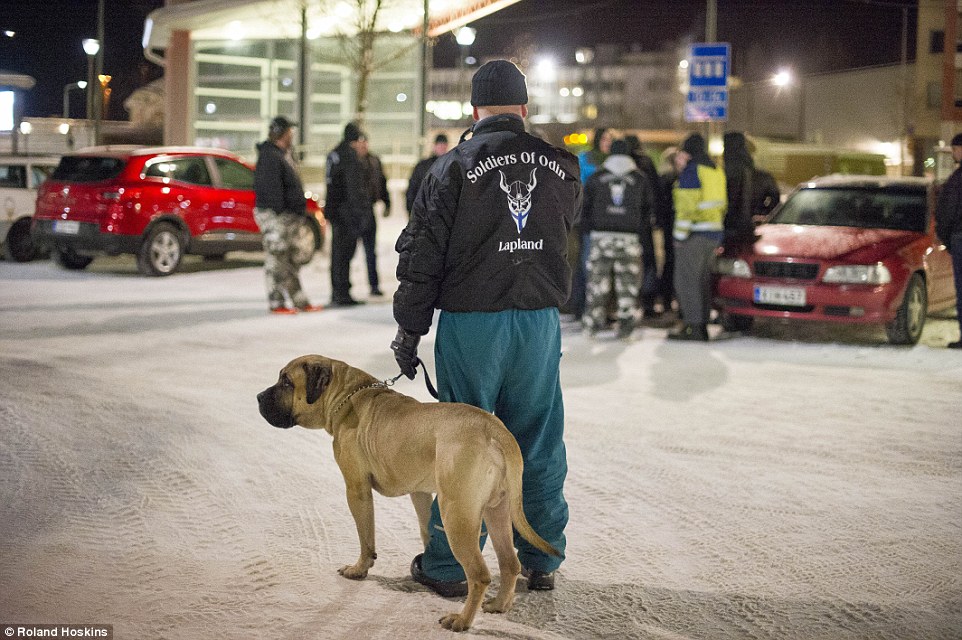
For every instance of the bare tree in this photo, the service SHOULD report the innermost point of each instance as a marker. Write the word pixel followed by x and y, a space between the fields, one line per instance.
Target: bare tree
pixel 357 45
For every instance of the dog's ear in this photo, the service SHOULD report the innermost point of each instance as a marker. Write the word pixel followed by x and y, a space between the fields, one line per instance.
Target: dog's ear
pixel 318 377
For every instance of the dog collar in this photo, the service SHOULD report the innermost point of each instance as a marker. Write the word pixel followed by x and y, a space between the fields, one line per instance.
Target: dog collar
pixel 381 384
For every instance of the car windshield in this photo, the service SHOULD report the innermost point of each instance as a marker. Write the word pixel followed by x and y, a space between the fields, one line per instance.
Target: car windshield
pixel 87 169
pixel 875 208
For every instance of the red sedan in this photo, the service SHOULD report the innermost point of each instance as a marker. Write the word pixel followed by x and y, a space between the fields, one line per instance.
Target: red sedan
pixel 854 249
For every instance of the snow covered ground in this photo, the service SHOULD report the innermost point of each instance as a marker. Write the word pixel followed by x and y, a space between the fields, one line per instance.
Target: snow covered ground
pixel 793 484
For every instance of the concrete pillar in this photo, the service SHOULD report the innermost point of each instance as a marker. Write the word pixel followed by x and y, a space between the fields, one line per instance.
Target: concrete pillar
pixel 178 90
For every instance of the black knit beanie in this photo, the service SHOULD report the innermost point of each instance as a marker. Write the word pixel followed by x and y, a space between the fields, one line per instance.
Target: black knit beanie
pixel 694 145
pixel 352 132
pixel 498 83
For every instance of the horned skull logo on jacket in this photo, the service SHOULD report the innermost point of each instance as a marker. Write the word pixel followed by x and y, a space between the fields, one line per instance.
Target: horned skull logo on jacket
pixel 618 193
pixel 519 198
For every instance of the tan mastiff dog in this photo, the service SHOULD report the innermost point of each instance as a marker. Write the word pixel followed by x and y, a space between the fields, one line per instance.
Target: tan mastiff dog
pixel 396 445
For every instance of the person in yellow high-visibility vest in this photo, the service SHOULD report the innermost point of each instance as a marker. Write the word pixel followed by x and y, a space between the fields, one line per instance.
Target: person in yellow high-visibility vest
pixel 700 200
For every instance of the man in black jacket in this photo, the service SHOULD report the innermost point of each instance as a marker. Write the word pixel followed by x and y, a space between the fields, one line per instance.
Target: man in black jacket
pixel 486 244
pixel 752 192
pixel 421 169
pixel 349 210
pixel 948 226
pixel 279 209
pixel 649 263
pixel 618 205
pixel 376 183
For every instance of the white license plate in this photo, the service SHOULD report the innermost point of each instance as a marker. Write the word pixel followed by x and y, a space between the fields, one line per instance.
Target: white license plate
pixel 787 296
pixel 66 226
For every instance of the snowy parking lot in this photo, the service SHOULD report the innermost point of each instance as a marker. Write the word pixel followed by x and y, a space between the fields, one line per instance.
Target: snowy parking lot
pixel 802 482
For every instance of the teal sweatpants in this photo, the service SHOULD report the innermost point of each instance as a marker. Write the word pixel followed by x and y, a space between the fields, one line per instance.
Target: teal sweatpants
pixel 507 362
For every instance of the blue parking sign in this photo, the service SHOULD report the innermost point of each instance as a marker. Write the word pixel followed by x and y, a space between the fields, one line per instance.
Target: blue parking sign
pixel 708 83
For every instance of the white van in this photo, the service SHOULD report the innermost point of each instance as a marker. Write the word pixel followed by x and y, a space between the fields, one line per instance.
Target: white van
pixel 19 178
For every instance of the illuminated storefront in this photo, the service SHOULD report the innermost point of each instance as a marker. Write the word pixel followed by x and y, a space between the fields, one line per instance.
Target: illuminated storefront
pixel 232 65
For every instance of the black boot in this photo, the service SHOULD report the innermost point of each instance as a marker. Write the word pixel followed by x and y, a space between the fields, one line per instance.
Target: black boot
pixel 696 332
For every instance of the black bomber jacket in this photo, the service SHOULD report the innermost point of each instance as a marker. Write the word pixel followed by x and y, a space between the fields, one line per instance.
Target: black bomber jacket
pixel 276 183
pixel 489 227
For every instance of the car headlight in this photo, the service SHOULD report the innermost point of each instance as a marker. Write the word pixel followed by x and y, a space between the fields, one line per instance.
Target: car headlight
pixel 734 267
pixel 858 274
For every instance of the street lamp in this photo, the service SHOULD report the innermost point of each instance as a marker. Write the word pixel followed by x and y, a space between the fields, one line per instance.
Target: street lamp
pixel 26 129
pixel 82 84
pixel 782 78
pixel 91 48
pixel 585 58
pixel 465 38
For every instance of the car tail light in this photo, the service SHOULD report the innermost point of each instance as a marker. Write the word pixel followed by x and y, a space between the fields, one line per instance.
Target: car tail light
pixel 113 200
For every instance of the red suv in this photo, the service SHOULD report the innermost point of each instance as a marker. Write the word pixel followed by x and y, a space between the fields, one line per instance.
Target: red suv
pixel 155 203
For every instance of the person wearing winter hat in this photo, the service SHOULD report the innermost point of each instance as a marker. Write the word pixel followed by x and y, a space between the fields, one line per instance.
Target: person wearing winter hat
pixel 752 192
pixel 349 210
pixel 439 148
pixel 487 245
pixel 279 209
pixel 700 199
pixel 618 205
pixel 588 162
pixel 948 226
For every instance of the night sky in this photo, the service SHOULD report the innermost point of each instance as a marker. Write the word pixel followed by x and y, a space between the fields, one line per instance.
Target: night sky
pixel 48 47
pixel 810 36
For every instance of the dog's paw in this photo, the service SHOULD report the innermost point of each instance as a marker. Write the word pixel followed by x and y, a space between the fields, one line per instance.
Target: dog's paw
pixel 496 605
pixel 353 572
pixel 454 622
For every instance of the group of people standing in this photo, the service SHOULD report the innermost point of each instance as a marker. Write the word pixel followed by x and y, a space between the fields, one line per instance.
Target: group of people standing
pixel 355 184
pixel 696 205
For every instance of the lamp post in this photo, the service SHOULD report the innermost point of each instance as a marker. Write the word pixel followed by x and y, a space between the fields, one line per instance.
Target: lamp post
pixel 465 38
pixel 66 95
pixel 585 58
pixel 26 129
pixel 91 48
pixel 785 78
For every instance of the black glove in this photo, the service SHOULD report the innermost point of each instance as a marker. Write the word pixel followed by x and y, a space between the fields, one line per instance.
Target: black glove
pixel 405 348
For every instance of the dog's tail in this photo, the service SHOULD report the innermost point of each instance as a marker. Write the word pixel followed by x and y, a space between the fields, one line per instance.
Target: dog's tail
pixel 514 470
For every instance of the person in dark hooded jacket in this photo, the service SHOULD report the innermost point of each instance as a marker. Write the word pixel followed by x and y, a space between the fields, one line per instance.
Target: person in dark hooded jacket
pixel 752 193
pixel 649 263
pixel 588 163
pixel 618 204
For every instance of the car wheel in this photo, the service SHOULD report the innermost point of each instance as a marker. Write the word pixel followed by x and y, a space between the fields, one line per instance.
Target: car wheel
pixel 736 323
pixel 67 258
pixel 910 319
pixel 161 252
pixel 19 246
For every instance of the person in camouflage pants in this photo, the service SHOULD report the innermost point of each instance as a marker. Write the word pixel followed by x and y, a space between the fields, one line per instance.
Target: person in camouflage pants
pixel 283 257
pixel 619 255
pixel 618 204
pixel 280 210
